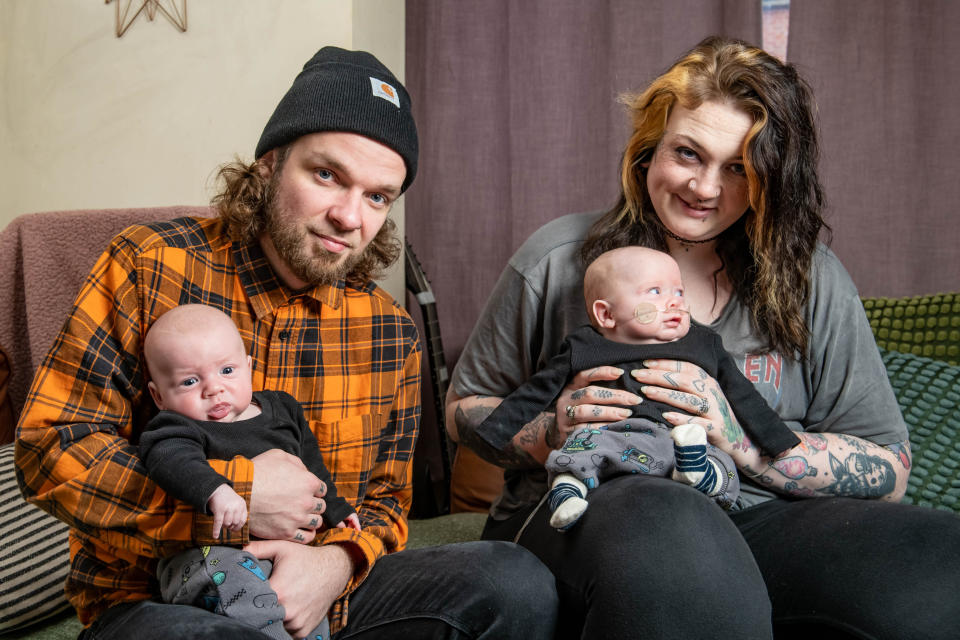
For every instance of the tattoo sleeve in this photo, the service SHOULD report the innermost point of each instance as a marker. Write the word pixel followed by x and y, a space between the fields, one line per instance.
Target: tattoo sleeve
pixel 512 456
pixel 840 465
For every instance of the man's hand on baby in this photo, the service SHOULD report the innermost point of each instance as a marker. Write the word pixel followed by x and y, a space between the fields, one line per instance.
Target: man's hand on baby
pixel 229 509
pixel 287 500
pixel 306 579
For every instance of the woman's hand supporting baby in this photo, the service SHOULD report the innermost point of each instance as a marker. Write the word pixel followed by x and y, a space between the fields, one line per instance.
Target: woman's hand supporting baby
pixel 691 389
pixel 582 402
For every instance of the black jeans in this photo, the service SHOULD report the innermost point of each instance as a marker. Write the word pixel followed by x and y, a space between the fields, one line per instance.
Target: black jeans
pixel 657 559
pixel 490 590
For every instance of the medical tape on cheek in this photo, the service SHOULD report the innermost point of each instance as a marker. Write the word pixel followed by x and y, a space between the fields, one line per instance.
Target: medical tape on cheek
pixel 645 313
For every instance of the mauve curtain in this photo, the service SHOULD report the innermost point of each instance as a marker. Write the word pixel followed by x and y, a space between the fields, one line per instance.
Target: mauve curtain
pixel 519 123
pixel 885 76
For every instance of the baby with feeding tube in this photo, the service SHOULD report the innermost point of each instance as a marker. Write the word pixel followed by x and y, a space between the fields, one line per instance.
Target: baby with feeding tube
pixel 634 298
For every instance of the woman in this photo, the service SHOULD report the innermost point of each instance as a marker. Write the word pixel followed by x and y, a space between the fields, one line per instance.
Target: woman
pixel 721 173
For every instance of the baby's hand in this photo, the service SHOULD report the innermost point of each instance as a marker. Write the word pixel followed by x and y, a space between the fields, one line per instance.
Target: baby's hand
pixel 351 521
pixel 228 508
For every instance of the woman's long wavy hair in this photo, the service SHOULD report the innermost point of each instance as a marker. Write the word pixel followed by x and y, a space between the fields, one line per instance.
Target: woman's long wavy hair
pixel 766 254
pixel 249 189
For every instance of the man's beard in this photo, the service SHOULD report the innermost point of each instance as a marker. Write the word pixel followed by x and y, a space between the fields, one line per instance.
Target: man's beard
pixel 319 267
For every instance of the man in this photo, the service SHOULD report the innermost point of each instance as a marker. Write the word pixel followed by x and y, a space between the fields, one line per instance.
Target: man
pixel 302 233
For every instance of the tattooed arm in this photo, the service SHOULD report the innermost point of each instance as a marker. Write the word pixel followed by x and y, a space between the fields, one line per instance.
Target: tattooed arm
pixel 548 430
pixel 823 464
pixel 529 447
pixel 836 464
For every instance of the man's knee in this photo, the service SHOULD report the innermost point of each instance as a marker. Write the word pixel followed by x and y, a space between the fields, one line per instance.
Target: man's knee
pixel 483 589
pixel 517 590
pixel 148 620
pixel 514 574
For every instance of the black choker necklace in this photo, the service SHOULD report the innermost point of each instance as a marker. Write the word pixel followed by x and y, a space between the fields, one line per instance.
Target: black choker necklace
pixel 684 240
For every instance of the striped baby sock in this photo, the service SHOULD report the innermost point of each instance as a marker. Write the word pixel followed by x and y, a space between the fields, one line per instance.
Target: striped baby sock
pixel 566 501
pixel 693 467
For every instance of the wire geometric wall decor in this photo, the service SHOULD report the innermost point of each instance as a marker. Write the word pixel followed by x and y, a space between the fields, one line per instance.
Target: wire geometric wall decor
pixel 177 15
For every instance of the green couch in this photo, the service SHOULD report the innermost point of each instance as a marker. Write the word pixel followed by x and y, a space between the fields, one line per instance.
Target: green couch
pixel 919 340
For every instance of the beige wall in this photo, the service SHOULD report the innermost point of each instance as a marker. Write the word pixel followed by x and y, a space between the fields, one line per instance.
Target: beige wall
pixel 89 120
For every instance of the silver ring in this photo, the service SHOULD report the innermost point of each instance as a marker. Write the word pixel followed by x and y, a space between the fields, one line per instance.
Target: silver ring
pixel 570 411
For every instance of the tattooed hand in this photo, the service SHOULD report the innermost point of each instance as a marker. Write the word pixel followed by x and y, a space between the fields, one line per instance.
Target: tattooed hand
pixel 580 402
pixel 690 389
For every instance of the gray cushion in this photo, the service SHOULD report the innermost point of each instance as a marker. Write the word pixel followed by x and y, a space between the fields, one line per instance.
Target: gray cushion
pixel 34 557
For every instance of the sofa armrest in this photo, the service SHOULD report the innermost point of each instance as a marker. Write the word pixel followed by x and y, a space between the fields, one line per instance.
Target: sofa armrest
pixel 928 392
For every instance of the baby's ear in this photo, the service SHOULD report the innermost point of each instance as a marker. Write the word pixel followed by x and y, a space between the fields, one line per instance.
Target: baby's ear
pixel 155 394
pixel 603 314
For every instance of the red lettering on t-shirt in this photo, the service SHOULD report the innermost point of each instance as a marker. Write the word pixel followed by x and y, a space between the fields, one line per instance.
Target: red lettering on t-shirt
pixel 765 368
pixel 774 367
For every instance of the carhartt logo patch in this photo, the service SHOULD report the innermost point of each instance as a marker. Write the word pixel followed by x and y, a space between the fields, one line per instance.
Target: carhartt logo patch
pixel 385 90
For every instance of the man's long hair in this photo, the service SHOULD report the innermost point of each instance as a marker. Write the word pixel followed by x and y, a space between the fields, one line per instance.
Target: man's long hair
pixel 767 253
pixel 248 189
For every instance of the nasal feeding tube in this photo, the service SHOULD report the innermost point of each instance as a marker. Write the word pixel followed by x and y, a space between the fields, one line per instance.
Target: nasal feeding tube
pixel 646 312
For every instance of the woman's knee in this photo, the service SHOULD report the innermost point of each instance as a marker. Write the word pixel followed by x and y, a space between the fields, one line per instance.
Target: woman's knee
pixel 908 569
pixel 647 537
pixel 658 542
pixel 861 565
pixel 659 509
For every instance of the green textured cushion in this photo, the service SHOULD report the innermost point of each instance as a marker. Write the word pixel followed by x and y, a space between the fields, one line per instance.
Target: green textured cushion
pixel 926 326
pixel 928 391
pixel 65 626
pixel 456 527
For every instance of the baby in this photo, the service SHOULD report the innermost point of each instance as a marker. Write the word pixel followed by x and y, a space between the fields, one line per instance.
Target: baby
pixel 634 298
pixel 201 380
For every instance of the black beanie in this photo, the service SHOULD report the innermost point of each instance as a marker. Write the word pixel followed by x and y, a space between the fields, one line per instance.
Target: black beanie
pixel 340 90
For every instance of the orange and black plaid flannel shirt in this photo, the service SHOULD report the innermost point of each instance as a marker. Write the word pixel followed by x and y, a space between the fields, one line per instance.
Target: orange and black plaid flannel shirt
pixel 350 356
